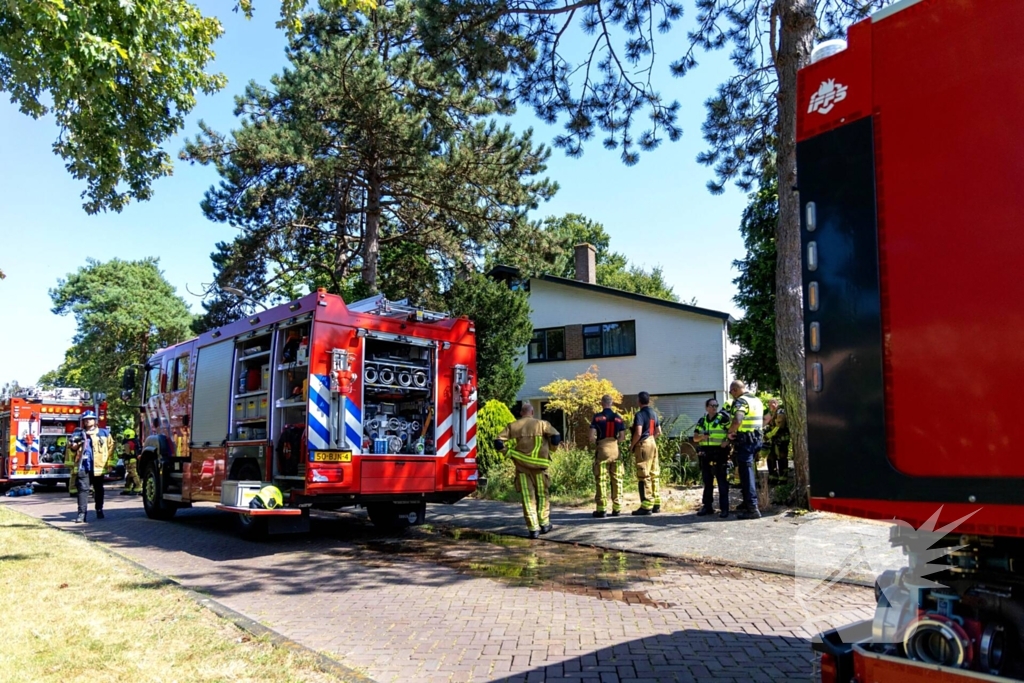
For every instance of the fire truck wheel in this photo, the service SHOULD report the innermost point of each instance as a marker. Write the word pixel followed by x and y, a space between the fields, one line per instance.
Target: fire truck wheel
pixel 152 497
pixel 386 517
pixel 249 527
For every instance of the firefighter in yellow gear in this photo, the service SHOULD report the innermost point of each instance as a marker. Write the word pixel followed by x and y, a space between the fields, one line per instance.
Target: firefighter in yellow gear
pixel 646 429
pixel 530 443
pixel 607 431
pixel 130 456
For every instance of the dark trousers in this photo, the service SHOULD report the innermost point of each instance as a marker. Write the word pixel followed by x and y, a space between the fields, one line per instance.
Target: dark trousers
pixel 84 482
pixel 745 451
pixel 778 459
pixel 714 465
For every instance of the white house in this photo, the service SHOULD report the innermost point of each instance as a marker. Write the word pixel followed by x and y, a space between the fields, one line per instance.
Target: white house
pixel 675 352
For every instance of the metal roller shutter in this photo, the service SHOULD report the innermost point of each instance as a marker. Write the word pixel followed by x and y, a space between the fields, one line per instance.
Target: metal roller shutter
pixel 212 400
pixel 680 412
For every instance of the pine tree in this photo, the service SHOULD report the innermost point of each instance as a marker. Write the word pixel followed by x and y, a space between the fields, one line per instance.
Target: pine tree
pixel 361 146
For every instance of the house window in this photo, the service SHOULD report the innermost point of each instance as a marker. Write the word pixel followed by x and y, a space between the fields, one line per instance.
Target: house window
pixel 547 344
pixel 609 339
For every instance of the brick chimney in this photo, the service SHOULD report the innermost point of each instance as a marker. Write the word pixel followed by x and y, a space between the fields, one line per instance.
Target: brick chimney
pixel 586 267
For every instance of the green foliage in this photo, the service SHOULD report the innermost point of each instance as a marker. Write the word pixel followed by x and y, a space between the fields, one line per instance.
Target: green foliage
pixel 493 417
pixel 756 361
pixel 552 252
pixel 572 472
pixel 579 399
pixel 118 77
pixel 503 327
pixel 364 155
pixel 124 310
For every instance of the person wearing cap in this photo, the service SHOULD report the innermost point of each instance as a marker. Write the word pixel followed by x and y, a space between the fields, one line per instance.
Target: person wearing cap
pixel 607 431
pixel 130 455
pixel 91 447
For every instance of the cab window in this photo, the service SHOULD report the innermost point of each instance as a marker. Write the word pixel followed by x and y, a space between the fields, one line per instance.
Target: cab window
pixel 153 381
pixel 181 373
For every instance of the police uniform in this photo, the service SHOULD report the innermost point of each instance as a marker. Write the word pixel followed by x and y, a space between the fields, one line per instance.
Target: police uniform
pixel 647 469
pixel 607 467
pixel 746 445
pixel 530 451
pixel 130 455
pixel 714 458
pixel 90 463
pixel 778 453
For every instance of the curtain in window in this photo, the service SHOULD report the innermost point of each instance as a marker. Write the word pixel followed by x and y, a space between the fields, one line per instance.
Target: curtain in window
pixel 618 339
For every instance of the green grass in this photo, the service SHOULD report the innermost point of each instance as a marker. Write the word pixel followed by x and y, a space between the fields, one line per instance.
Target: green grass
pixel 76 613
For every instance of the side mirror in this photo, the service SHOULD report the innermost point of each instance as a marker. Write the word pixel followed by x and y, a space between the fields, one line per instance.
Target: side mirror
pixel 128 379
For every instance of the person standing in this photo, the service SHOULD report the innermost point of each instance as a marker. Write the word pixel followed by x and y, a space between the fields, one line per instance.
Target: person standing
pixel 745 432
pixel 645 449
pixel 530 450
pixel 778 435
pixel 711 434
pixel 607 431
pixel 130 455
pixel 91 446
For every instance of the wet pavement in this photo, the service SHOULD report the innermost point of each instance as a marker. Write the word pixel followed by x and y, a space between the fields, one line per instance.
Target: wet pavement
pixel 444 603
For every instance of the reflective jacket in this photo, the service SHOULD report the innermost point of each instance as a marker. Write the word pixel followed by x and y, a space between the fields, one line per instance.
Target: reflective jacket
pixel 715 428
pixel 753 413
pixel 529 439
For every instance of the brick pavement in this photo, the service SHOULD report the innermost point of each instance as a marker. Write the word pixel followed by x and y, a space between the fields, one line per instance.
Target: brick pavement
pixel 383 607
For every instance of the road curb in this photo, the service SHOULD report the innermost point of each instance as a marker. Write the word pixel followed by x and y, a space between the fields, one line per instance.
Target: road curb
pixel 254 628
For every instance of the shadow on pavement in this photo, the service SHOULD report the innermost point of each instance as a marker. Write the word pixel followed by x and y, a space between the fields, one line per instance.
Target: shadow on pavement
pixel 685 656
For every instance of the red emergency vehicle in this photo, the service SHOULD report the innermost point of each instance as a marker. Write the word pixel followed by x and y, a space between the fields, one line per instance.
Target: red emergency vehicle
pixel 370 404
pixel 910 170
pixel 34 426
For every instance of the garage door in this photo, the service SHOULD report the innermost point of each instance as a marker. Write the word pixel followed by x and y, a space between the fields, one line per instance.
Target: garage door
pixel 680 412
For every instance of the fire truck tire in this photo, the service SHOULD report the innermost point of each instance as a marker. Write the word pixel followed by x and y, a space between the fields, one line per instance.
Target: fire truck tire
pixel 152 497
pixel 389 517
pixel 250 528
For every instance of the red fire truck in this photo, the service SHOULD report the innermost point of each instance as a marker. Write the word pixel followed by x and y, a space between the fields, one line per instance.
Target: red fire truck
pixel 912 229
pixel 34 424
pixel 370 404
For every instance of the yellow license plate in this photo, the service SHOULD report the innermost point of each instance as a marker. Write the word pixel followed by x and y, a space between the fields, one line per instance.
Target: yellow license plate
pixel 332 456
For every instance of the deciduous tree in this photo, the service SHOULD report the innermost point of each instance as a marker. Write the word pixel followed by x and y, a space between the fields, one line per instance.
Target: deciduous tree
pixel 124 311
pixel 579 399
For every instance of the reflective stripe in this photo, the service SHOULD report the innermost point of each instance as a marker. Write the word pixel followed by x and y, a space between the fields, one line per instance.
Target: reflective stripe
pixel 716 432
pixel 753 416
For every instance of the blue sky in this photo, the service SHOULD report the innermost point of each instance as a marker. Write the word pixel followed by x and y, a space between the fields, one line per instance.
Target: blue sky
pixel 657 212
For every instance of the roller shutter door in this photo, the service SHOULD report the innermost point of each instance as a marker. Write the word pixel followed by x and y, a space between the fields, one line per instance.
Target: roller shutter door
pixel 680 412
pixel 212 400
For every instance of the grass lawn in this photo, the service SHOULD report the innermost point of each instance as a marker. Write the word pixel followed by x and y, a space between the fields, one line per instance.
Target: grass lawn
pixel 76 613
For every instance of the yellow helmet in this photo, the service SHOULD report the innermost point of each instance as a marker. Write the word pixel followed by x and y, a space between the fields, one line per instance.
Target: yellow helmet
pixel 269 498
pixel 62 440
pixel 128 433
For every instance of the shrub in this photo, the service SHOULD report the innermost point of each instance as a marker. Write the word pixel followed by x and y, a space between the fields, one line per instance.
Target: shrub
pixel 572 472
pixel 493 417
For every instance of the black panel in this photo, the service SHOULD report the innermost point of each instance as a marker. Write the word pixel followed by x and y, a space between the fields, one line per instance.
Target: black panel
pixel 846 419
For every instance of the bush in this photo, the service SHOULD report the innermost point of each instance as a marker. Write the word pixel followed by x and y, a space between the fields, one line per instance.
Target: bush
pixel 572 472
pixel 501 481
pixel 493 417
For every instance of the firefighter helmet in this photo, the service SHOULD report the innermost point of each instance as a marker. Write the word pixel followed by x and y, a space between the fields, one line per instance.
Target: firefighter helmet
pixel 128 433
pixel 269 498
pixel 62 441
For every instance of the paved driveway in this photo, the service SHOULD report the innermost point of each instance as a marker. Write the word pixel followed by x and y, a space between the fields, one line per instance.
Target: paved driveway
pixel 449 605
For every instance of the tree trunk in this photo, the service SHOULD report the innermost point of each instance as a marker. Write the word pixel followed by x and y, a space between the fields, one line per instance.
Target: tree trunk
pixel 371 241
pixel 797 27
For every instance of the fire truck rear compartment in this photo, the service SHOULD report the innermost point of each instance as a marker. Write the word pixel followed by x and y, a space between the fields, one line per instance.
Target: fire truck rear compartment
pixel 398 399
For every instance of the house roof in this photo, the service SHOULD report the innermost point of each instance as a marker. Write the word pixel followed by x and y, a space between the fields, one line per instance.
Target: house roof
pixel 507 272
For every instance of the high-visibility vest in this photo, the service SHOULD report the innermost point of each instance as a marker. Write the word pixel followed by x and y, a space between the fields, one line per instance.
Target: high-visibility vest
pixel 715 430
pixel 753 413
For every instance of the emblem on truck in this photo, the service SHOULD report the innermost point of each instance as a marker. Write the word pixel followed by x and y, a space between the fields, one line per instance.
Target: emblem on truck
pixel 828 96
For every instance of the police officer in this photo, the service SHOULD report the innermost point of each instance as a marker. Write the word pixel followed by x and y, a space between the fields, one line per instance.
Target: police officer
pixel 778 435
pixel 607 431
pixel 745 432
pixel 711 434
pixel 645 449
pixel 91 446
pixel 130 455
pixel 530 451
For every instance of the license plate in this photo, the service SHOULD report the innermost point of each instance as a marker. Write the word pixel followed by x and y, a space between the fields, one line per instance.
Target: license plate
pixel 332 456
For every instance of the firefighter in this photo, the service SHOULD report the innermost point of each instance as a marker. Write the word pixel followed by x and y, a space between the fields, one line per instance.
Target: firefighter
pixel 645 449
pixel 607 431
pixel 745 432
pixel 530 451
pixel 711 433
pixel 130 455
pixel 92 447
pixel 778 435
